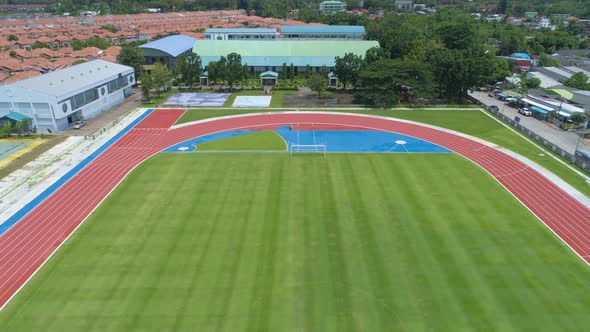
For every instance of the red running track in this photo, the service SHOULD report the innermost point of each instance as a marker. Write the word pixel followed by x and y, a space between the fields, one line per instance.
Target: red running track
pixel 29 243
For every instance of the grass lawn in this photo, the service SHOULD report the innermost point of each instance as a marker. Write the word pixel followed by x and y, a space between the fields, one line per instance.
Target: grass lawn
pixel 472 122
pixel 261 140
pixel 268 242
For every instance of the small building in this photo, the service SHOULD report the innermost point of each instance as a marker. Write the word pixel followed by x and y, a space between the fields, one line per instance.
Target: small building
pixel 404 4
pixel 57 99
pixel 332 79
pixel 167 50
pixel 269 78
pixel 254 34
pixel 335 32
pixel 331 6
pixel 545 23
pixel 14 118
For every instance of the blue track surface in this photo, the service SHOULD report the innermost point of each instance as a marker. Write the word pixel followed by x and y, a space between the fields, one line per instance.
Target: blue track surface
pixel 359 141
pixel 66 177
pixel 189 146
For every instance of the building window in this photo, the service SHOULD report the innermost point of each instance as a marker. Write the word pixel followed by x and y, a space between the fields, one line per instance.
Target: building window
pixel 117 84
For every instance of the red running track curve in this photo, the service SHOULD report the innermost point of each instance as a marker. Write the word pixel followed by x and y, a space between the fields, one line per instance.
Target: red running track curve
pixel 29 243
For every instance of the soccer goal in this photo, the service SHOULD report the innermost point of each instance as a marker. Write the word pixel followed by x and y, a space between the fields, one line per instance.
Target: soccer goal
pixel 308 148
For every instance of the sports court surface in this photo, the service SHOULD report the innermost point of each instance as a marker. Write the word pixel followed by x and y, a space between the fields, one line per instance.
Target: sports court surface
pixel 195 99
pixel 12 149
pixel 252 101
pixel 268 242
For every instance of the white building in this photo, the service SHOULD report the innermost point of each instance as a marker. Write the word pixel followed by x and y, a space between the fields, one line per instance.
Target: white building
pixel 56 99
pixel 404 4
pixel 332 6
pixel 254 34
pixel 545 22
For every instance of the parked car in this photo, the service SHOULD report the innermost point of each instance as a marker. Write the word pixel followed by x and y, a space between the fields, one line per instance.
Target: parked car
pixel 493 108
pixel 79 124
pixel 525 111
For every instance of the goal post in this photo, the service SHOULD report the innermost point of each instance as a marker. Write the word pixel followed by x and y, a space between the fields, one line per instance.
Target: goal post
pixel 308 148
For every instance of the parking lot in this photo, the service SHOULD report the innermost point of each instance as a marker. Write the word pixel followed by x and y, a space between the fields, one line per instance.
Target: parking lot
pixel 564 139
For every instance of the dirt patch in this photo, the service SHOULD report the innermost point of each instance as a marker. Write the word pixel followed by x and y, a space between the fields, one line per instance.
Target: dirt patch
pixel 307 98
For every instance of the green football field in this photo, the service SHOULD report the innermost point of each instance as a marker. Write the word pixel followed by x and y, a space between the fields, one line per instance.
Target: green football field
pixel 268 242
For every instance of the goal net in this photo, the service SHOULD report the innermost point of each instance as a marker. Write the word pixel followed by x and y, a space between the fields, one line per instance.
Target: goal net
pixel 308 148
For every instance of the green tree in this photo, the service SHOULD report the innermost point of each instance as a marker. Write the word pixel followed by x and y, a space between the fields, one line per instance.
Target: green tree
pixel 308 72
pixel 292 72
pixel 374 54
pixel 214 70
pixel 384 80
pixel 546 61
pixel 233 69
pixel 347 68
pixel 133 57
pixel 77 62
pixel 146 85
pixel 188 67
pixel 12 38
pixel 458 71
pixel 578 117
pixel 109 28
pixel 284 71
pixel 532 83
pixel 317 82
pixel 38 44
pixel 160 76
pixel 578 81
pixel 5 130
pixel 500 69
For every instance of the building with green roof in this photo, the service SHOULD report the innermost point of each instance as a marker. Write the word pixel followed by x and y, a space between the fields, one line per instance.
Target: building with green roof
pixel 270 56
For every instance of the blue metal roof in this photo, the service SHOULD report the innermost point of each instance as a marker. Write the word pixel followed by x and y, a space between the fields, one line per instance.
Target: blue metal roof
pixel 521 56
pixel 538 109
pixel 241 30
pixel 173 45
pixel 322 29
pixel 15 116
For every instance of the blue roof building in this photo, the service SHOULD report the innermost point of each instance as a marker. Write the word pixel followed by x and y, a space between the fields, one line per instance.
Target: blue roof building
pixel 350 32
pixel 167 49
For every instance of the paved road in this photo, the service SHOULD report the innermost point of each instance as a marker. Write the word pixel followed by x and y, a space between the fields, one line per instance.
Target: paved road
pixel 564 139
